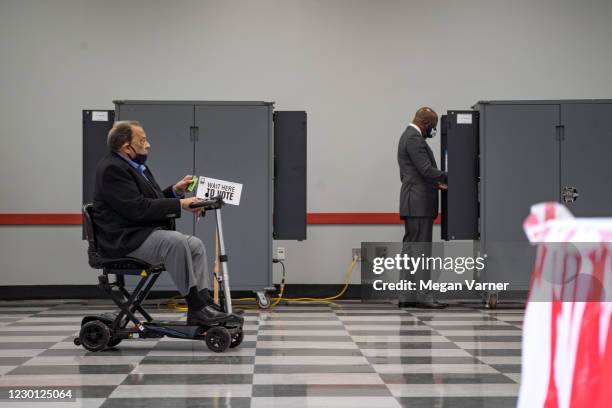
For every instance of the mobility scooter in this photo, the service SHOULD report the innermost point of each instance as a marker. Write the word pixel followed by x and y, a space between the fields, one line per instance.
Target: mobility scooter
pixel 99 332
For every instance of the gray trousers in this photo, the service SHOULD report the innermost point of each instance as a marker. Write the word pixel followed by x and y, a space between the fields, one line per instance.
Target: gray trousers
pixel 183 255
pixel 418 232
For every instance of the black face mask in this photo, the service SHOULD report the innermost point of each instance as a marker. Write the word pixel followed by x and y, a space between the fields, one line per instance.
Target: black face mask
pixel 140 158
pixel 431 132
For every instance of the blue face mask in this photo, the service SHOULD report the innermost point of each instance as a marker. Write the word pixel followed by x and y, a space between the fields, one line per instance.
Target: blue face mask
pixel 139 158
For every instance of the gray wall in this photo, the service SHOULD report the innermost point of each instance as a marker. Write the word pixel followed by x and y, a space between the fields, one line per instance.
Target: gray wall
pixel 360 69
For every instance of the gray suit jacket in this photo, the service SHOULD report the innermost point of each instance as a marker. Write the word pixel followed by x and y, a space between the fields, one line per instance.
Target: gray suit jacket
pixel 419 175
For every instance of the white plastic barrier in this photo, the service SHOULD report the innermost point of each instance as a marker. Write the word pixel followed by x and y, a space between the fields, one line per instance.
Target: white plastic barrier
pixel 567 341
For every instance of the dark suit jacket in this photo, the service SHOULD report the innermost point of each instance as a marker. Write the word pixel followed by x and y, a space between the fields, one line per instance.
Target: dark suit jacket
pixel 419 175
pixel 128 208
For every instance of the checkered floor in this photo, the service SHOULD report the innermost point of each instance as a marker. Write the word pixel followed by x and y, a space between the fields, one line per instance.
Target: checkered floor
pixel 348 354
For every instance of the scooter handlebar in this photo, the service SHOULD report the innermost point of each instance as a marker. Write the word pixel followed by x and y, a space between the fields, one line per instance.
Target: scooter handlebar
pixel 211 204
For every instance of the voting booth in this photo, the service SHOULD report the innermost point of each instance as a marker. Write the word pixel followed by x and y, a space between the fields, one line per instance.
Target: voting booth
pixel 244 143
pixel 503 156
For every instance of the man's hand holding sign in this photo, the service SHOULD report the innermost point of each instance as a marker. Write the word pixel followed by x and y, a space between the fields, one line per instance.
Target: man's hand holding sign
pixel 182 187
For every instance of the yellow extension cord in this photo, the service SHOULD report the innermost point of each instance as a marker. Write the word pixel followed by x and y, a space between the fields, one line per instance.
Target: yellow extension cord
pixel 179 307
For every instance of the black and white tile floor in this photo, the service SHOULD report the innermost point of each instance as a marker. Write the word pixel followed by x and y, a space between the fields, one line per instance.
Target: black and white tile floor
pixel 348 354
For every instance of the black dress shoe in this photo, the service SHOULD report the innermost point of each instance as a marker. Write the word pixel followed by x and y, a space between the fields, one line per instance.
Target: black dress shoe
pixel 206 316
pixel 207 295
pixel 218 309
pixel 431 305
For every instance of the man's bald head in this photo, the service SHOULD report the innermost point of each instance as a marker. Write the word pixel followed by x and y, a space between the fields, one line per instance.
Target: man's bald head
pixel 426 119
pixel 426 115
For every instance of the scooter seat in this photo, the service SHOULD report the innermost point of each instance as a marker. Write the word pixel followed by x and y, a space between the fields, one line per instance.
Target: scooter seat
pixel 126 265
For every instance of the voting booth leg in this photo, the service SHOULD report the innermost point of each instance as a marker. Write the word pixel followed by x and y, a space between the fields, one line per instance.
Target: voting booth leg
pixel 223 278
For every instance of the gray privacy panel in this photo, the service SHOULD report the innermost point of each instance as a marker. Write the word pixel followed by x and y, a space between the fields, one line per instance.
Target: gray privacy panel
pixel 459 157
pixel 95 133
pixel 235 144
pixel 520 163
pixel 519 167
pixel 171 156
pixel 585 154
pixel 290 175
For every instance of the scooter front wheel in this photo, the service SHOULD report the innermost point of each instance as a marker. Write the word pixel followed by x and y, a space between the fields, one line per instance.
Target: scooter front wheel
pixel 94 335
pixel 218 339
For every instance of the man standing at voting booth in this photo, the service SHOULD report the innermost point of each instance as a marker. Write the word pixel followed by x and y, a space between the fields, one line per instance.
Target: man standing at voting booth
pixel 421 180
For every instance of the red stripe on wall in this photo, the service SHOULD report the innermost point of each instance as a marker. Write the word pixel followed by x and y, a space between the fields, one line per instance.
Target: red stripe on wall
pixel 312 219
pixel 356 218
pixel 353 218
pixel 40 219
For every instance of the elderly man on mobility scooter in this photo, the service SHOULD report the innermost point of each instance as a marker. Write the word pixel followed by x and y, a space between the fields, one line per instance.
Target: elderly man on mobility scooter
pixel 134 218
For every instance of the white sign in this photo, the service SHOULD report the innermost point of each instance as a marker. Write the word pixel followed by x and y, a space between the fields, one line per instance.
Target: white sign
pixel 210 188
pixel 97 116
pixel 464 118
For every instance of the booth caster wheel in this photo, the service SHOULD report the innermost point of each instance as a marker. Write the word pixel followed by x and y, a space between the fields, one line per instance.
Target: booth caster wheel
pixel 218 339
pixel 76 341
pixel 263 300
pixel 237 339
pixel 94 335
pixel 492 301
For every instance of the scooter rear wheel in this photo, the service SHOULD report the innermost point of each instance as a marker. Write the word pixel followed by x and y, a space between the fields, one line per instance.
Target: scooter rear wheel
pixel 237 339
pixel 218 339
